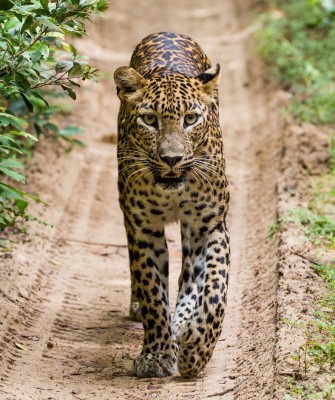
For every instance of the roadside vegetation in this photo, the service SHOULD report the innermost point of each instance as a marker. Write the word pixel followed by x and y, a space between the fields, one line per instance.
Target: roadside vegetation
pixel 38 63
pixel 297 41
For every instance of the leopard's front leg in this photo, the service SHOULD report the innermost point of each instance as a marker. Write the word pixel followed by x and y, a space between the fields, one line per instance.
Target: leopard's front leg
pixel 134 308
pixel 149 270
pixel 202 297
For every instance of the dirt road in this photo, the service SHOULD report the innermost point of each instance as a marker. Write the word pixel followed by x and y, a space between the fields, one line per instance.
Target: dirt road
pixel 64 328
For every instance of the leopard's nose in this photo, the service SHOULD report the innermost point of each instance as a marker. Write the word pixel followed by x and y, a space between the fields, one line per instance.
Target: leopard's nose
pixel 171 161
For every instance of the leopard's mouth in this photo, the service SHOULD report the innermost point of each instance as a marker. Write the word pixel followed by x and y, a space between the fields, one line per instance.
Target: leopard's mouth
pixel 171 180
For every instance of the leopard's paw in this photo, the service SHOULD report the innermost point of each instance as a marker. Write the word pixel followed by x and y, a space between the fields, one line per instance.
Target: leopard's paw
pixel 190 362
pixel 186 332
pixel 158 364
pixel 191 351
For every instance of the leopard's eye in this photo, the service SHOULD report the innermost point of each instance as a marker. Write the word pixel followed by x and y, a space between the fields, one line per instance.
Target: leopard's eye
pixel 191 119
pixel 149 119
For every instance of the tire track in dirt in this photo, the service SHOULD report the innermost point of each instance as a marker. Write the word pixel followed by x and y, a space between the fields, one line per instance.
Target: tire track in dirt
pixel 36 316
pixel 77 305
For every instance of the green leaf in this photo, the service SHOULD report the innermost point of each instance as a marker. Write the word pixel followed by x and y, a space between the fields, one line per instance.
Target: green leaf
pixel 8 192
pixel 63 66
pixel 28 22
pixel 21 205
pixel 12 174
pixel 24 134
pixel 7 138
pixel 21 77
pixel 44 4
pixel 74 141
pixel 35 56
pixel 44 12
pixel 73 50
pixel 51 127
pixel 10 24
pixel 38 96
pixel 6 119
pixel 27 102
pixel 44 49
pixel 71 131
pixel 55 35
pixel 102 5
pixel 11 163
pixel 7 149
pixel 74 83
pixel 6 5
pixel 76 70
pixel 70 92
pixel 87 2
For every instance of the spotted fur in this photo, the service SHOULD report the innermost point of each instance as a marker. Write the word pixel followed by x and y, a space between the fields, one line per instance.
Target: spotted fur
pixel 172 168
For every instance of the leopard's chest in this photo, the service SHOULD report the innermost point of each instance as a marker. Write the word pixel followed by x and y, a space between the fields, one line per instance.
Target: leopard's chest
pixel 153 205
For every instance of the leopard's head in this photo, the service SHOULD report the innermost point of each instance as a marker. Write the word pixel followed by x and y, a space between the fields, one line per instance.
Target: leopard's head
pixel 167 119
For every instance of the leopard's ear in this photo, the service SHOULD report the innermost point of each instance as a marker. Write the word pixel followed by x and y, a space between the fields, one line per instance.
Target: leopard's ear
pixel 129 83
pixel 210 79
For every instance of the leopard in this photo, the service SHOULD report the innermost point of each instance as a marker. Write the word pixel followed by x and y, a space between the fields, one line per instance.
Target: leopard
pixel 171 168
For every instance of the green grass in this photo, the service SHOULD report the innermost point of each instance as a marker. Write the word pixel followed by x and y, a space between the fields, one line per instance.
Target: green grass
pixel 297 39
pixel 305 392
pixel 318 228
pixel 317 354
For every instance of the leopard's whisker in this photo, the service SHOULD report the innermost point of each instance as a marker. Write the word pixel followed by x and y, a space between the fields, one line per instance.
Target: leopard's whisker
pixel 131 158
pixel 130 153
pixel 205 177
pixel 203 166
pixel 135 172
pixel 146 175
pixel 198 177
pixel 206 161
pixel 123 144
pixel 131 166
pixel 210 156
pixel 133 149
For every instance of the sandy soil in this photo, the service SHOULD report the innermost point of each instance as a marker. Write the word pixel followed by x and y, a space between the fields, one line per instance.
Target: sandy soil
pixel 64 332
pixel 300 289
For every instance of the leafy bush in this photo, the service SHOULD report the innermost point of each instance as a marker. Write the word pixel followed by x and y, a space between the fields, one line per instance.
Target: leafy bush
pixel 35 54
